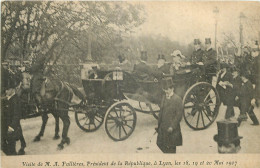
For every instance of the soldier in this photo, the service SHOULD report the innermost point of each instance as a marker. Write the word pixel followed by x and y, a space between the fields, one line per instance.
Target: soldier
pixel 169 130
pixel 209 61
pixel 196 57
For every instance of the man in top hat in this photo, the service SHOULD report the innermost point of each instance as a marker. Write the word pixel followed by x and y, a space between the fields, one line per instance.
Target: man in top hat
pixel 224 88
pixel 196 57
pixel 143 71
pixel 10 125
pixel 209 60
pixel 245 97
pixel 169 130
pixel 162 66
pixel 256 70
pixel 124 64
pixel 227 137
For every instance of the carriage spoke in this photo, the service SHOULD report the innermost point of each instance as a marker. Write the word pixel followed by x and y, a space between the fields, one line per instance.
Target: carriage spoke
pixel 112 127
pixel 94 125
pixel 128 115
pixel 89 126
pixel 124 130
pixel 198 118
pixel 206 115
pixel 129 120
pixel 210 99
pixel 98 120
pixel 202 119
pixel 211 104
pixel 129 126
pixel 207 95
pixel 110 122
pixel 191 106
pixel 116 114
pixel 120 132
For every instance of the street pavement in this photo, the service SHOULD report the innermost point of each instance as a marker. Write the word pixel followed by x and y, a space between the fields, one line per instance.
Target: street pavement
pixel 143 139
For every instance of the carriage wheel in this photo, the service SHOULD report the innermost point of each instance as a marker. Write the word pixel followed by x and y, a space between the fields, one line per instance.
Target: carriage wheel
pixel 88 121
pixel 120 121
pixel 201 105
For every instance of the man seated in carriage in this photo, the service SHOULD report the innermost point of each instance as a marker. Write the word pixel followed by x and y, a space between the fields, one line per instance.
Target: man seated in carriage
pixel 162 66
pixel 142 71
pixel 124 64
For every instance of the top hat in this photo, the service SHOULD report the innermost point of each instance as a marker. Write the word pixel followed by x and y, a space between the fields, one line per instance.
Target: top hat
pixel 161 57
pixel 227 132
pixel 167 83
pixel 197 41
pixel 121 58
pixel 207 41
pixel 255 46
pixel 144 55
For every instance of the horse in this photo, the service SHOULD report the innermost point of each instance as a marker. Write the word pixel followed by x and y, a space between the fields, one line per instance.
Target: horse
pixel 54 96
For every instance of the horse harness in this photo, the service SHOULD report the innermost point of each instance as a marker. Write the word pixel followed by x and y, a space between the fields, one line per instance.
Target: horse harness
pixel 64 86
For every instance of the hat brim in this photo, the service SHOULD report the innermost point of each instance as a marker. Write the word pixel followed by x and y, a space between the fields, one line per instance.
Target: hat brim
pixel 217 139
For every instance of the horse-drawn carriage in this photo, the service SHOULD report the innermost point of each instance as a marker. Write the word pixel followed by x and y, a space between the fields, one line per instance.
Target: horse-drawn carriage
pixel 114 97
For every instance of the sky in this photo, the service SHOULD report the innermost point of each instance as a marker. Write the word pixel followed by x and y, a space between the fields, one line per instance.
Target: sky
pixel 184 21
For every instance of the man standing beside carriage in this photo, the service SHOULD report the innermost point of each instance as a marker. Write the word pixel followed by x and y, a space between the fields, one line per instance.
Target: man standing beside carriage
pixel 11 112
pixel 171 110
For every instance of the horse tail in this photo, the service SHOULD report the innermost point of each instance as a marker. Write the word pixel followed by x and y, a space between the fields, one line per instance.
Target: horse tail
pixel 77 92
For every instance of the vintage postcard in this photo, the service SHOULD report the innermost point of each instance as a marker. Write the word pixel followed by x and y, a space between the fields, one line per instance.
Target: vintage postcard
pixel 130 84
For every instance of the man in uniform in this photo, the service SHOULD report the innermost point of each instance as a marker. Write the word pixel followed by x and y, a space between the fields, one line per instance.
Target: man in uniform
pixel 169 130
pixel 209 61
pixel 197 54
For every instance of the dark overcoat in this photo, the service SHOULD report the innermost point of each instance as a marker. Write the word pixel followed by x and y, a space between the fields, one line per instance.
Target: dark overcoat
pixel 210 61
pixel 12 116
pixel 197 56
pixel 170 116
pixel 225 94
pixel 246 94
pixel 237 83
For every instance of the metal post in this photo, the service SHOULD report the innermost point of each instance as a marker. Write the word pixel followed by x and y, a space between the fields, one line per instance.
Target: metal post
pixel 89 56
pixel 242 16
pixel 216 11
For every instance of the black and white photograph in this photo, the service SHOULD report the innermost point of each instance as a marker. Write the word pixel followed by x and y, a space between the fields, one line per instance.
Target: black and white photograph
pixel 129 78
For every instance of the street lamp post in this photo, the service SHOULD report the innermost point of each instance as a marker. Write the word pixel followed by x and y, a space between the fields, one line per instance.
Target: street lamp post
pixel 216 12
pixel 241 17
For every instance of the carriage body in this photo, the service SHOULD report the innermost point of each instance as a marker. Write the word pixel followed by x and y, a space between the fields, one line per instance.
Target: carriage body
pixel 112 93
